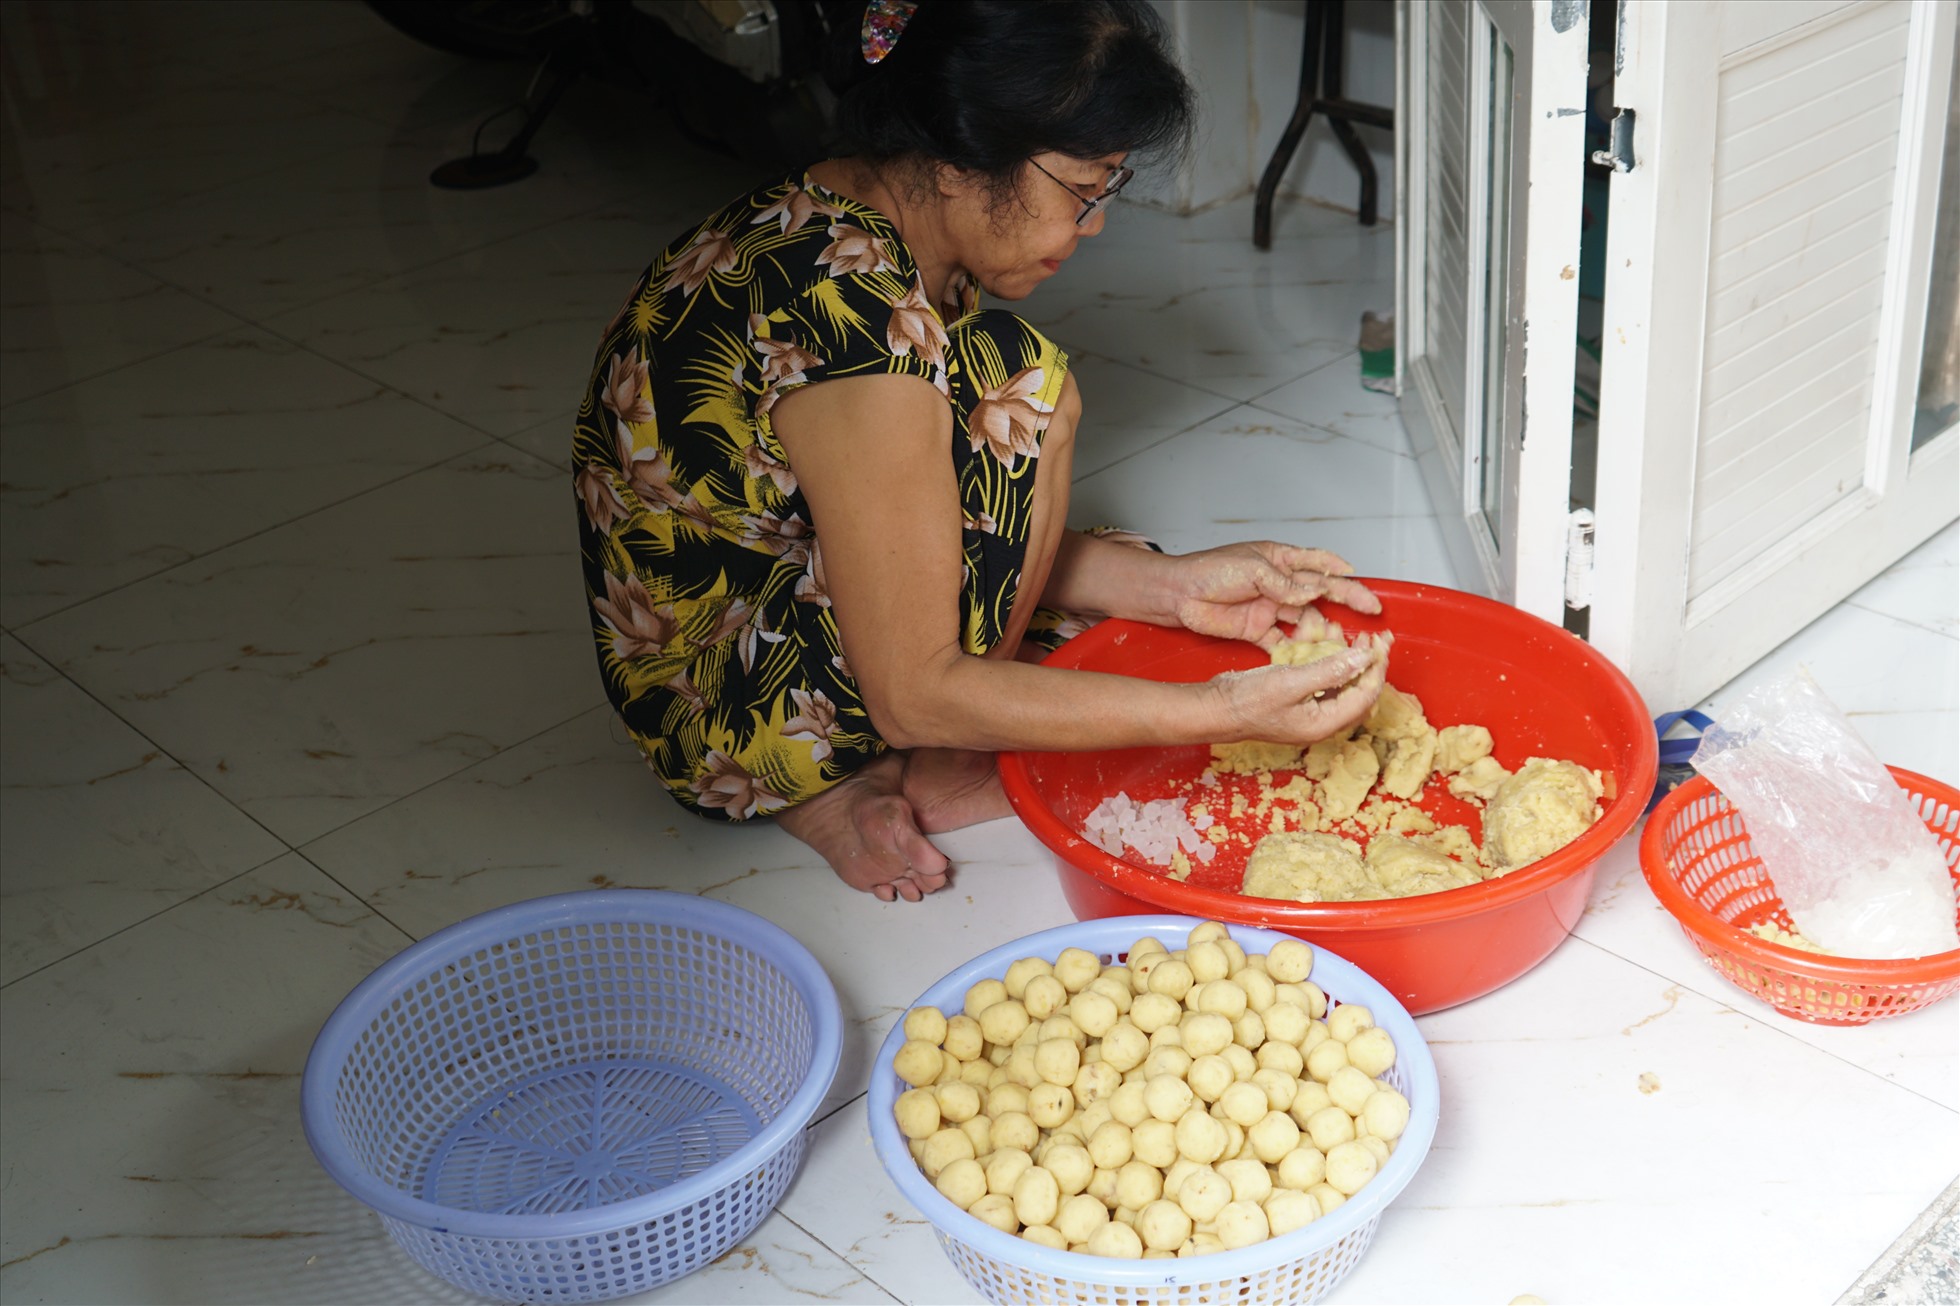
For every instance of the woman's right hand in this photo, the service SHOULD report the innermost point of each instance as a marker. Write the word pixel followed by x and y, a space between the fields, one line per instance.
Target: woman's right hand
pixel 1304 704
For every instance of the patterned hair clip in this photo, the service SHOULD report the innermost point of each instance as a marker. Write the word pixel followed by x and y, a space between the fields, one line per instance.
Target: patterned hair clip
pixel 884 23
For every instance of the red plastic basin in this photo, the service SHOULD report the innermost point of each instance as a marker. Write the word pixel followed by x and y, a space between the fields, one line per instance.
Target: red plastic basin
pixel 1541 692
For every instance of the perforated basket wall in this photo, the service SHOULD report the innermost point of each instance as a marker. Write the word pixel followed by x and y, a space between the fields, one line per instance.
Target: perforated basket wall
pixel 1697 856
pixel 579 1097
pixel 1299 1267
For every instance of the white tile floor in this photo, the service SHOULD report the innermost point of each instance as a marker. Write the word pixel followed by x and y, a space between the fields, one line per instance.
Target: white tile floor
pixel 296 672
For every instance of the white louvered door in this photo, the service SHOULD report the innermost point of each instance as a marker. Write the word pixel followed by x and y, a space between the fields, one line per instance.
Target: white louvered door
pixel 1768 272
pixel 1489 165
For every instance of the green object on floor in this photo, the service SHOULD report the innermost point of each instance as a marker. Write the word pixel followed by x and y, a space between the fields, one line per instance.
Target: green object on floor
pixel 1378 352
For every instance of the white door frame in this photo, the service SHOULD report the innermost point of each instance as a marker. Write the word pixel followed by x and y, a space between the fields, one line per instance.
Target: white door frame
pixel 1516 433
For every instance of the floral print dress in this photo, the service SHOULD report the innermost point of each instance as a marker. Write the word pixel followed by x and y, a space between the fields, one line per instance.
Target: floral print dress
pixel 704 576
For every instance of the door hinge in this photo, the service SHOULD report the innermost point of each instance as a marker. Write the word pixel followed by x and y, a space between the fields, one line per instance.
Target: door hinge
pixel 1579 559
pixel 1619 155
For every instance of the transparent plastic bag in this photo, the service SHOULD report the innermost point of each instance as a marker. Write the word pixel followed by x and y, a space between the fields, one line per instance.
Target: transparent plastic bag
pixel 1855 866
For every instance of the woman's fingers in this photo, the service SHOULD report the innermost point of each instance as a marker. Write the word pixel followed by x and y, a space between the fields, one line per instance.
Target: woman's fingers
pixel 1336 670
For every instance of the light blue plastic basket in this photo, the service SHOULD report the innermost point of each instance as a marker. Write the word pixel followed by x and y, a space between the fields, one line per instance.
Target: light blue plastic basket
pixel 1298 1267
pixel 577 1097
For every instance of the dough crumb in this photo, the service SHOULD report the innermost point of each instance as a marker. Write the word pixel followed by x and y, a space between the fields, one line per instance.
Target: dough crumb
pixel 1459 746
pixel 1771 932
pixel 1251 756
pixel 1527 1299
pixel 1650 1083
pixel 1479 781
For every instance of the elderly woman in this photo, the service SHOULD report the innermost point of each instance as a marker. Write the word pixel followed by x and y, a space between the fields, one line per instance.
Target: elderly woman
pixel 824 492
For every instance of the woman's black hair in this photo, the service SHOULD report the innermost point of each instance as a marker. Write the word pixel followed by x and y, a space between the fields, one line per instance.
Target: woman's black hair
pixel 985 85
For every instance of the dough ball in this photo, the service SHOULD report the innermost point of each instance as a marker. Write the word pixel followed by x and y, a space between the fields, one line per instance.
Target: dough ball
pixel 962 1183
pixel 1260 991
pixel 1203 1194
pixel 1302 1168
pixel 1210 1077
pixel 1249 1031
pixel 1043 996
pixel 918 1062
pixel 950 1069
pixel 1163 1226
pixel 1349 1166
pixel 1171 978
pixel 1328 1197
pixel 1117 1241
pixel 1095 1082
pixel 1080 1217
pixel 1017 1130
pixel 1309 1097
pixel 1349 1019
pixel 1154 1142
pixel 1152 1011
pixel 1037 1197
pixel 1018 975
pixel 1146 945
pixel 917 1113
pixel 1057 1060
pixel 925 1025
pixel 1273 1137
pixel 1289 961
pixel 1317 1003
pixel 980 1132
pixel 1289 1209
pixel 958 1102
pixel 1059 1026
pixel 1071 1166
pixel 942 1149
pixel 963 1037
pixel 1199 1137
pixel 1387 1114
pixel 1170 1059
pixel 1006 1097
pixel 1076 969
pixel 1138 1184
pixel 1046 1235
pixel 1109 1145
pixel 1201 1244
pixel 1326 1058
pixel 1050 1105
pixel 1245 1104
pixel 1250 1180
pixel 1279 1087
pixel 1527 1299
pixel 1329 1127
pixel 1207 962
pixel 980 1073
pixel 1093 1013
pixel 983 995
pixel 1167 1097
pixel 1234 954
pixel 1102 1186
pixel 1006 1165
pixel 1116 990
pixel 1223 997
pixel 1242 1224
pixel 996 1209
pixel 1350 1089
pixel 1376 1148
pixel 1127 1103
pixel 1003 1022
pixel 1372 1051
pixel 1207 932
pixel 1020 1069
pixel 1244 1064
pixel 1281 1057
pixel 1205 1032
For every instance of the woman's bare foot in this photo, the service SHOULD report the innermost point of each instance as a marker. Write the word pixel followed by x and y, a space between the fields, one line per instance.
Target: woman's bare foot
pixel 953 787
pixel 866 829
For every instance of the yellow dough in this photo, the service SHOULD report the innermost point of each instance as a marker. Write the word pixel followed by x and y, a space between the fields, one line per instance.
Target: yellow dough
pixel 1406 868
pixel 1309 868
pixel 1250 756
pixel 1349 778
pixel 1480 780
pixel 1459 746
pixel 1539 810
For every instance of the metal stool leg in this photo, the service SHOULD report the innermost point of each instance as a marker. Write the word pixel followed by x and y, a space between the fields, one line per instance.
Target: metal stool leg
pixel 1296 126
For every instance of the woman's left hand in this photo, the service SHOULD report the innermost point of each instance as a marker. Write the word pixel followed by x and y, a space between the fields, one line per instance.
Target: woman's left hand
pixel 1249 591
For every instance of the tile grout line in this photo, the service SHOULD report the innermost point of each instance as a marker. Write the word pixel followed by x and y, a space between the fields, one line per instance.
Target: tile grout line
pixel 1764 1023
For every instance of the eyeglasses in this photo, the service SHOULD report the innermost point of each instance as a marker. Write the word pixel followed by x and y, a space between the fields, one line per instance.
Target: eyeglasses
pixel 1118 179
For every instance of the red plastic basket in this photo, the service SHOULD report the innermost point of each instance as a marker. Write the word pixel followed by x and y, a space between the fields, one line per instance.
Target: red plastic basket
pixel 1698 859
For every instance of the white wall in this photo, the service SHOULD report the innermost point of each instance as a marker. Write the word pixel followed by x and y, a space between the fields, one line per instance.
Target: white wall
pixel 1244 57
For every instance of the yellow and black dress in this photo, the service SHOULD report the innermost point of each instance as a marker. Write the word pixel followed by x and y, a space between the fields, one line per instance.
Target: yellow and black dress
pixel 704 575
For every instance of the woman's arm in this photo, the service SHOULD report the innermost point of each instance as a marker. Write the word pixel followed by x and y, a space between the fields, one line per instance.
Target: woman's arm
pixel 870 456
pixel 1241 591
